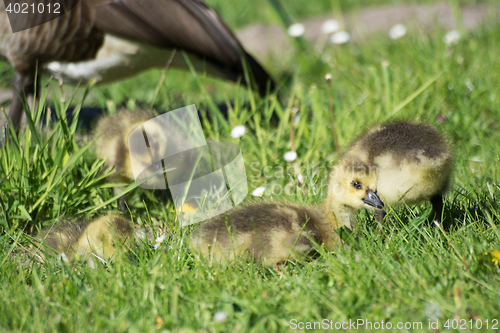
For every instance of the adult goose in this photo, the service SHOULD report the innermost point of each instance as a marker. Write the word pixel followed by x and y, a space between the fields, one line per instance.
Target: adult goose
pixel 109 40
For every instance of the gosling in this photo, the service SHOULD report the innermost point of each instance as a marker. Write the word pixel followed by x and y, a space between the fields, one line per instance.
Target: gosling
pixel 99 238
pixel 412 161
pixel 275 232
pixel 112 144
pixel 171 145
pixel 111 135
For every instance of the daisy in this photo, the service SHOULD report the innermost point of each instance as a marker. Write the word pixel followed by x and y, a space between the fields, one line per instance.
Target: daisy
pixel 451 37
pixel 238 131
pixel 259 191
pixel 330 27
pixel 220 316
pixel 397 31
pixel 340 37
pixel 290 156
pixel 159 240
pixel 296 30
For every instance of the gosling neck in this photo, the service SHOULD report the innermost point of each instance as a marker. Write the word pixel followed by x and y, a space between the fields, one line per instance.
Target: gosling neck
pixel 338 215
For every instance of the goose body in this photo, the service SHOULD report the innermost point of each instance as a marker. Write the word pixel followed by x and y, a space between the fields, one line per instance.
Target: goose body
pixel 270 232
pixel 118 59
pixel 274 232
pixel 412 161
pixel 70 37
pixel 127 36
pixel 99 238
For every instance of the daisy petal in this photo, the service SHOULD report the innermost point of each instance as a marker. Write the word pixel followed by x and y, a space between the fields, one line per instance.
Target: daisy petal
pixel 330 27
pixel 397 31
pixel 296 30
pixel 238 131
pixel 259 191
pixel 451 37
pixel 340 37
pixel 290 156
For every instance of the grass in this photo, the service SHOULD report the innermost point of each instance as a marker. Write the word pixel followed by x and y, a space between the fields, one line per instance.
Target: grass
pixel 410 273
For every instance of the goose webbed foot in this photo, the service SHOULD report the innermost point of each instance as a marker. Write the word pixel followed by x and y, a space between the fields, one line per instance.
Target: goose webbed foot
pixel 437 208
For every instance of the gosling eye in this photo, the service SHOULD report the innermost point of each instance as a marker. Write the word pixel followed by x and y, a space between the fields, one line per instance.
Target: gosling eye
pixel 357 185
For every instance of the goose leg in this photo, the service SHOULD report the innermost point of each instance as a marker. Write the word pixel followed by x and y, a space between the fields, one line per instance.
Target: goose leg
pixel 437 207
pixel 22 86
pixel 122 204
pixel 380 214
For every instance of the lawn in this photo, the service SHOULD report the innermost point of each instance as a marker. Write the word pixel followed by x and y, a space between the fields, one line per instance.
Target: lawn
pixel 403 272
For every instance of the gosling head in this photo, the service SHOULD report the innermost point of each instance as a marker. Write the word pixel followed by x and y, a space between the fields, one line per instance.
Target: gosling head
pixel 147 145
pixel 352 186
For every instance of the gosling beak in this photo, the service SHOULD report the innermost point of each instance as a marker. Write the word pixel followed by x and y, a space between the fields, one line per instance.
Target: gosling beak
pixel 373 199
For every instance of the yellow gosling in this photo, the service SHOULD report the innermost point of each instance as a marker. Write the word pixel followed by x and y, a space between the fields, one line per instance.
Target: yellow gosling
pixel 412 161
pixel 274 232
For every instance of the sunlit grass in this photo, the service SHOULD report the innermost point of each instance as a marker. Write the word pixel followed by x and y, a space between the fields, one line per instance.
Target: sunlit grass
pixel 407 272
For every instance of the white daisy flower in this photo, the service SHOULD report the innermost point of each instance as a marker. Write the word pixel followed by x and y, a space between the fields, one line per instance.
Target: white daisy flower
pixel 259 191
pixel 296 30
pixel 328 77
pixel 397 31
pixel 451 37
pixel 159 240
pixel 330 27
pixel 238 131
pixel 220 316
pixel 290 156
pixel 340 37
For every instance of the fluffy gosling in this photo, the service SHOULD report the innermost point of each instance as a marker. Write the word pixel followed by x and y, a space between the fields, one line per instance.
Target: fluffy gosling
pixel 412 161
pixel 112 134
pixel 99 238
pixel 170 146
pixel 275 232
